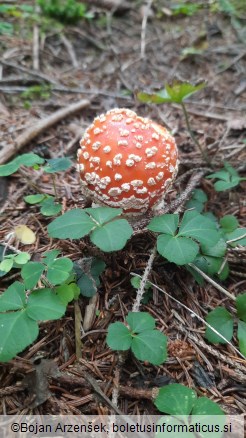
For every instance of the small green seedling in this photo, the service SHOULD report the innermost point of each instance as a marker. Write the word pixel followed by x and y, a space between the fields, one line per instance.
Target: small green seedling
pixel 34 160
pixel 14 260
pixel 188 8
pixel 141 336
pixel 106 230
pixel 227 178
pixel 47 204
pixel 223 321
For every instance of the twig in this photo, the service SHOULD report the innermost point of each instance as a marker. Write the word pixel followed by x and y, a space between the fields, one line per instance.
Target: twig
pixel 77 329
pixel 70 50
pixel 211 281
pixel 34 73
pixel 35 47
pixel 143 282
pixel 147 8
pixel 41 126
pixel 194 313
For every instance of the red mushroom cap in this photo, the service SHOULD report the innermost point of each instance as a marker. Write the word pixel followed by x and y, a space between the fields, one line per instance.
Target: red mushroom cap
pixel 127 161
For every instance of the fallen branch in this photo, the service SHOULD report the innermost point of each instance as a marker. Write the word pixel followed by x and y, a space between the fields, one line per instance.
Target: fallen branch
pixel 39 127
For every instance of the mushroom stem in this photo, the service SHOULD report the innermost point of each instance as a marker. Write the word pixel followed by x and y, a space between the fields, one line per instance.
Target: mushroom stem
pixel 192 135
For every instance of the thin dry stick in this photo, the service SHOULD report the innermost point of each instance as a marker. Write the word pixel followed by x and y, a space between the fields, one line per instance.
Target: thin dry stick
pixel 141 289
pixel 39 127
pixel 144 26
pixel 194 313
pixel 35 48
pixel 216 285
pixel 70 50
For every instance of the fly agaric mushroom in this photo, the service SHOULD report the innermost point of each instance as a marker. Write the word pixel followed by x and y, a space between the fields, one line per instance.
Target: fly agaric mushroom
pixel 126 161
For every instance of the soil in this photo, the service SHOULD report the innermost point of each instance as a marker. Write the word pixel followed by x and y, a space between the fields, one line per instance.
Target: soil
pixel 107 60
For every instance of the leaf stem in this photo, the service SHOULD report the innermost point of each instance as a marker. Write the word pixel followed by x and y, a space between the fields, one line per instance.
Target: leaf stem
pixel 193 137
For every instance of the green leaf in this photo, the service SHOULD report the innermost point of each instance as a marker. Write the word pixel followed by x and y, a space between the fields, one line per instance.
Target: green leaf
pixel 239 234
pixel 43 304
pixel 157 98
pixel 48 257
pixel 112 236
pixel 140 321
pixel 150 345
pixel 199 195
pixel 13 298
pixel 6 265
pixel 218 250
pixel 135 282
pixel 31 273
pixel 220 186
pixel 34 199
pixel 25 159
pixel 118 337
pixel 22 258
pixel 199 227
pixel 180 90
pixel 67 292
pixel 195 205
pixel 103 214
pixel 229 223
pixel 57 165
pixel 73 224
pixel 241 335
pixel 205 406
pixel 49 207
pixel 179 250
pixel 59 270
pixel 166 223
pixel 17 331
pixel 221 174
pixel 175 399
pixel 222 321
pixel 241 306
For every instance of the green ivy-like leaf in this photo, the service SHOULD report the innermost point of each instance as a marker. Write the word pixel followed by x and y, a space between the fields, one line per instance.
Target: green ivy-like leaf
pixel 112 236
pixel 13 298
pixel 73 224
pixel 241 306
pixel 59 270
pixel 43 304
pixel 175 399
pixel 150 345
pixel 17 331
pixel 103 214
pixel 179 250
pixel 166 223
pixel 88 273
pixel 180 90
pixel 140 321
pixel 241 335
pixel 119 337
pixel 222 321
pixel 31 273
pixel 57 165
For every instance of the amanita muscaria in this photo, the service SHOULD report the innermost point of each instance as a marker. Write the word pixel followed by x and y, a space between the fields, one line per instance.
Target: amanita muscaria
pixel 127 161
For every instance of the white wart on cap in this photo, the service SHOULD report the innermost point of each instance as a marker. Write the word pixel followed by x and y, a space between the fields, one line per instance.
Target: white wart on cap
pixel 127 161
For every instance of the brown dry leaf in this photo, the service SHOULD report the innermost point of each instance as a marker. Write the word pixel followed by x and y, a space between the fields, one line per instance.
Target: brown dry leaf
pixel 25 234
pixel 237 124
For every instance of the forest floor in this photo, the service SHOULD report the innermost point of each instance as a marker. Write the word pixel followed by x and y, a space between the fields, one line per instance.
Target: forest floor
pixel 106 61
